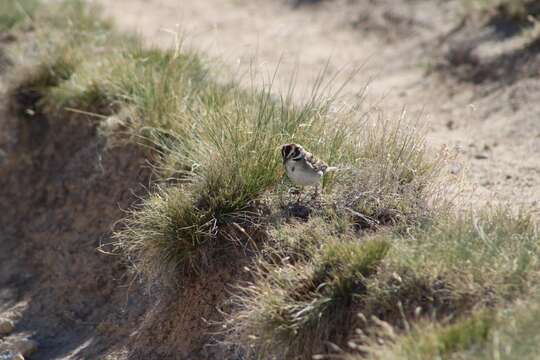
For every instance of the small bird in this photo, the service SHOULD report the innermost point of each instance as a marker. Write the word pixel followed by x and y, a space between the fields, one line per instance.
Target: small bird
pixel 302 167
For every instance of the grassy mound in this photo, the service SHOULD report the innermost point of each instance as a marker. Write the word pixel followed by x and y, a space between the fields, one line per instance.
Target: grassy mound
pixel 306 284
pixel 216 146
pixel 313 280
pixel 379 241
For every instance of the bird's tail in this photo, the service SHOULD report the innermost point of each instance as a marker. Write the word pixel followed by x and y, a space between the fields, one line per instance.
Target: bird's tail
pixel 340 169
pixel 331 168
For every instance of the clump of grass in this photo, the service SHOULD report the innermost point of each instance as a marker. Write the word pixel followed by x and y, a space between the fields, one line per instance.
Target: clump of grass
pixel 15 11
pixel 446 285
pixel 455 264
pixel 446 268
pixel 224 156
pixel 515 335
pixel 303 293
pixel 517 11
pixel 493 250
pixel 395 179
pixel 503 333
pixel 450 339
pixel 54 73
pixel 426 340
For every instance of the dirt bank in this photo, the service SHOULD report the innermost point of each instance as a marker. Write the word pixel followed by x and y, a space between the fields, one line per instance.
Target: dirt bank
pixel 64 185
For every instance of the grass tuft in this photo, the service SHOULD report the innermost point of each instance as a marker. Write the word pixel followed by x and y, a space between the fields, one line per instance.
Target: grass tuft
pixel 427 340
pixel 304 290
pixel 496 249
pixel 504 333
pixel 13 12
pixel 314 277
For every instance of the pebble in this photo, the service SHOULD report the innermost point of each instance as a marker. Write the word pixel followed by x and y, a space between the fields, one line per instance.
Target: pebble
pixel 18 346
pixel 6 327
pixel 3 157
pixel 455 169
pixel 25 346
pixel 480 156
pixel 10 355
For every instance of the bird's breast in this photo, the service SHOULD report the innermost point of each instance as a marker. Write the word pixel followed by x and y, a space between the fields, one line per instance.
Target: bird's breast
pixel 301 174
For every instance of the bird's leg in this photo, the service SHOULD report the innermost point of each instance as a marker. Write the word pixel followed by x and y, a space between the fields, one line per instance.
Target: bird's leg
pixel 315 193
pixel 299 194
pixel 293 191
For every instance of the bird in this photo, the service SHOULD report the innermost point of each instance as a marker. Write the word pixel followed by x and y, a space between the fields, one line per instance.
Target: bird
pixel 302 167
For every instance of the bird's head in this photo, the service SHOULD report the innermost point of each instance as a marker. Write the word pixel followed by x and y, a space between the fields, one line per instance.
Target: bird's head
pixel 291 151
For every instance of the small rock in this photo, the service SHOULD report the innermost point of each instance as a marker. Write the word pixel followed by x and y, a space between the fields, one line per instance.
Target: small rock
pixel 395 278
pixel 455 169
pixel 112 123
pixel 480 156
pixel 7 37
pixel 6 327
pixel 10 355
pixel 27 347
pixel 24 346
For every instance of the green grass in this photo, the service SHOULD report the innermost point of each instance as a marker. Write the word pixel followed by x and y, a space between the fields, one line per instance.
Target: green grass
pixel 516 334
pixel 444 269
pixel 473 253
pixel 504 333
pixel 429 340
pixel 13 12
pixel 456 271
pixel 304 289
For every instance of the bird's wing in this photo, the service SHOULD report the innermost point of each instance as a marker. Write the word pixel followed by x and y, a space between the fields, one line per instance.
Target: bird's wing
pixel 314 163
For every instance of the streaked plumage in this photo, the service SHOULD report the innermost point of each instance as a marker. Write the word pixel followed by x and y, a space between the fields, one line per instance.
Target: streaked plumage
pixel 302 167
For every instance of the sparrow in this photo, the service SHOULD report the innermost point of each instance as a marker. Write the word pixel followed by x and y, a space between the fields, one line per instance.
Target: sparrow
pixel 302 167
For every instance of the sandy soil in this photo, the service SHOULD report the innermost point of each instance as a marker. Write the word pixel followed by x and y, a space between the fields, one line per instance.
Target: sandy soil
pixel 493 129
